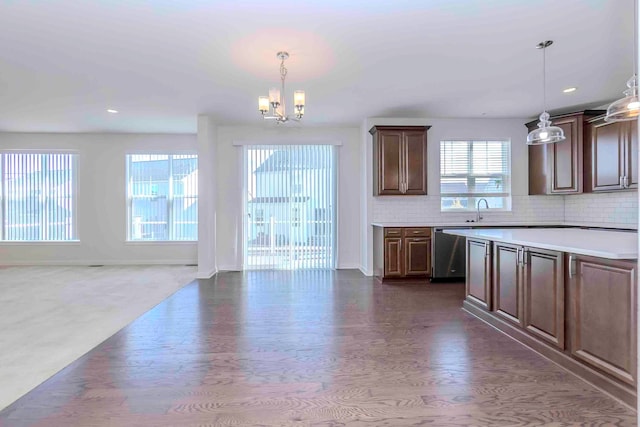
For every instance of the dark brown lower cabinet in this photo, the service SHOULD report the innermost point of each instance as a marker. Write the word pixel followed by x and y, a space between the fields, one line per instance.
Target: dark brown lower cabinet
pixel 603 326
pixel 392 257
pixel 507 282
pixel 528 290
pixel 478 280
pixel 538 296
pixel 417 259
pixel 544 308
pixel 405 254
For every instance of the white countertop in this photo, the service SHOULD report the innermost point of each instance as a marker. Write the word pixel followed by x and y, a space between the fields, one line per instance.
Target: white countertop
pixel 599 243
pixel 506 224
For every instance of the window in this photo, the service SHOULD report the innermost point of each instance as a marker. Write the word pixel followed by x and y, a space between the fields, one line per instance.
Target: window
pixel 37 195
pixel 471 170
pixel 162 197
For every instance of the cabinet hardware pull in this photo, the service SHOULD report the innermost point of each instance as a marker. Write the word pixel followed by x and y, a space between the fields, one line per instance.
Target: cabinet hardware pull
pixel 517 257
pixel 524 256
pixel 621 185
pixel 417 231
pixel 625 181
pixel 572 265
pixel 486 249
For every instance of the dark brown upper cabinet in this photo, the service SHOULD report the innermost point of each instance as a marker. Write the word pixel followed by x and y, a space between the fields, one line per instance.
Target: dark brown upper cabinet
pixel 611 156
pixel 558 168
pixel 399 160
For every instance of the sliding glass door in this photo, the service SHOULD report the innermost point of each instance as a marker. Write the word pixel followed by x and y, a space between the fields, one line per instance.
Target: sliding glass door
pixel 289 207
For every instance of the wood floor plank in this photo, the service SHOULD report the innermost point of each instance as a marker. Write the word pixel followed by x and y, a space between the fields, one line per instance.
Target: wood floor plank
pixel 321 348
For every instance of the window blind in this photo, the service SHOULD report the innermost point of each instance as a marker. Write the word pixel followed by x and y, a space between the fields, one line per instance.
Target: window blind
pixel 38 194
pixel 470 170
pixel 289 206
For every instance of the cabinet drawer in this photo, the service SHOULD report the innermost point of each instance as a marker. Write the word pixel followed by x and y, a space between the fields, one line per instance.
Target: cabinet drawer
pixel 392 232
pixel 417 232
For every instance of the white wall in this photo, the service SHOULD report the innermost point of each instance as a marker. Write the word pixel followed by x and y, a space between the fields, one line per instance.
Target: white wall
pixel 229 181
pixel 101 201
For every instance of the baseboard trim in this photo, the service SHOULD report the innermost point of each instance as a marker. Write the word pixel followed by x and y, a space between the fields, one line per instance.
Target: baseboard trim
pixel 229 268
pixel 206 274
pixel 348 266
pixel 625 394
pixel 365 271
pixel 112 262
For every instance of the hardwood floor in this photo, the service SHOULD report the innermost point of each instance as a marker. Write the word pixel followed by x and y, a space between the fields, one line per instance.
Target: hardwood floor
pixel 316 348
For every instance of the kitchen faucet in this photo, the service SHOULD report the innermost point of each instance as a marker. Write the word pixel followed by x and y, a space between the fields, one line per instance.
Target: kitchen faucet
pixel 478 217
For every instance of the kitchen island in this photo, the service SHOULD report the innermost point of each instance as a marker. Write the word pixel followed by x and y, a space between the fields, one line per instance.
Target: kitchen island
pixel 570 294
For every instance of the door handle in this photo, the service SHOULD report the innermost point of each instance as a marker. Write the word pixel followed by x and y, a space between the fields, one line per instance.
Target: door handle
pixel 572 265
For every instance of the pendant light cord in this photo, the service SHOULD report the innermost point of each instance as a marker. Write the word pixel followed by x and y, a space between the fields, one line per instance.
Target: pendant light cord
pixel 544 79
pixel 635 37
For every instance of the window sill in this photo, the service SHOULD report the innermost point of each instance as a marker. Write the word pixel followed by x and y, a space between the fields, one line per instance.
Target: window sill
pixel 39 242
pixel 474 211
pixel 161 242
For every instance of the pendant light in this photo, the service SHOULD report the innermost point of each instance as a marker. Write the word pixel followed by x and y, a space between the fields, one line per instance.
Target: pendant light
pixel 628 108
pixel 545 134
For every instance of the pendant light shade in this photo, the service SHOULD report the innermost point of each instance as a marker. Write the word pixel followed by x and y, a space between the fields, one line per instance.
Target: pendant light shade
pixel 628 108
pixel 545 134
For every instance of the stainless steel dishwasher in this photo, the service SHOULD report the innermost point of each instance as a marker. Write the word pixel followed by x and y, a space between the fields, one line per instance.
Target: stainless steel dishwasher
pixel 447 255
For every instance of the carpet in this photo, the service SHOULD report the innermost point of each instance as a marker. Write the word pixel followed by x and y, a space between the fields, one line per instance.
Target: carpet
pixel 50 316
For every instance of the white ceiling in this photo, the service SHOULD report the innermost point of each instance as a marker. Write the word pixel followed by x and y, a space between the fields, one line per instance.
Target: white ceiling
pixel 163 62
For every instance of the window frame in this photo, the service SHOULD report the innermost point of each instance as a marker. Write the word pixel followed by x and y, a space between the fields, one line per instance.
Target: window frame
pixel 170 197
pixel 473 197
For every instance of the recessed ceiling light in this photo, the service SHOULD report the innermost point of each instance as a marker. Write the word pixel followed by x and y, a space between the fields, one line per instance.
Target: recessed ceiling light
pixel 112 111
pixel 570 89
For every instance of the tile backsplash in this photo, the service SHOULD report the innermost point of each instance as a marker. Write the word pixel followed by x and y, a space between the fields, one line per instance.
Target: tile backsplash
pixel 606 208
pixel 613 209
pixel 415 209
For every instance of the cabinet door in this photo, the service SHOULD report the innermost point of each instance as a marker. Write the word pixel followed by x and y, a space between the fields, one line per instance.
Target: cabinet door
pixel 603 327
pixel 507 282
pixel 478 280
pixel 391 169
pixel 415 155
pixel 631 153
pixel 417 256
pixel 537 169
pixel 607 156
pixel 565 158
pixel 393 257
pixel 544 294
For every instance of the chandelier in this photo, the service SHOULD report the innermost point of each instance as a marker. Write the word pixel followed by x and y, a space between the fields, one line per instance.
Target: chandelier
pixel 273 107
